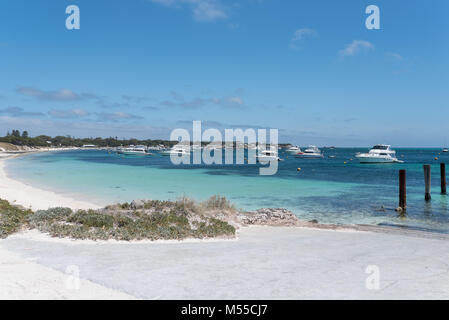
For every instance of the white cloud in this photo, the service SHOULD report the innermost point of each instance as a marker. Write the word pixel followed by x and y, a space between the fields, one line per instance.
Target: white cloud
pixel 68 114
pixel 236 100
pixel 202 10
pixel 56 95
pixel 395 56
pixel 116 116
pixel 355 47
pixel 300 35
pixel 19 112
pixel 198 102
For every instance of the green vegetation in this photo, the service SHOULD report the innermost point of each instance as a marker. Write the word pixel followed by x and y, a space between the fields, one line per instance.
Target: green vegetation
pixel 12 218
pixel 23 139
pixel 153 220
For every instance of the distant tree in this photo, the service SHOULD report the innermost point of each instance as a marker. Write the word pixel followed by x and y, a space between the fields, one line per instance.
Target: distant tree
pixel 25 134
pixel 16 133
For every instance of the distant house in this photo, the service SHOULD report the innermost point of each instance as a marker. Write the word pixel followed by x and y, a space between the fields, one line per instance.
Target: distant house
pixel 89 146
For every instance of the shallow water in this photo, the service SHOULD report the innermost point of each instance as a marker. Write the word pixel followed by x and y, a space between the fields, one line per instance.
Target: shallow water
pixel 325 189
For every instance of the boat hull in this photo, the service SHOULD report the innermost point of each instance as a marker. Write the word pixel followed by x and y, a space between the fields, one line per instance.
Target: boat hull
pixel 131 153
pixel 377 160
pixel 310 156
pixel 169 153
pixel 267 159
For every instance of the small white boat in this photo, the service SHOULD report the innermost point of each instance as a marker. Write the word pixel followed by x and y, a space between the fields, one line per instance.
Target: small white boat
pixel 380 153
pixel 311 152
pixel 267 155
pixel 134 150
pixel 293 150
pixel 178 151
pixel 212 147
pixel 445 150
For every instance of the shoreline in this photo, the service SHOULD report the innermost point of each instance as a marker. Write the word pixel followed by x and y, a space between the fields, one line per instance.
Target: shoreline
pixel 35 198
pixel 30 197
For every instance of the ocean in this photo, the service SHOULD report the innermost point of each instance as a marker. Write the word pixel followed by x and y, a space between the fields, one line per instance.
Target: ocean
pixel 328 189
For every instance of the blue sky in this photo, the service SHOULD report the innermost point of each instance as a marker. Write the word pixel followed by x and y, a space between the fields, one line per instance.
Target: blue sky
pixel 139 68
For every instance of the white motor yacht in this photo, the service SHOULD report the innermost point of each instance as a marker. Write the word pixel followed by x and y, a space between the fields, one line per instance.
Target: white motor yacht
pixel 310 152
pixel 134 150
pixel 380 153
pixel 293 150
pixel 267 155
pixel 176 150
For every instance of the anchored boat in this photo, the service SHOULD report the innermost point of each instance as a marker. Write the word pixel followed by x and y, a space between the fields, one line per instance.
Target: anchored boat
pixel 134 150
pixel 311 152
pixel 178 151
pixel 267 155
pixel 293 150
pixel 380 153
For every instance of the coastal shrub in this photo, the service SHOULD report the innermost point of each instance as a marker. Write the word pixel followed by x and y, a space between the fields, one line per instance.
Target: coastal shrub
pixel 184 205
pixel 123 222
pixel 91 218
pixel 12 218
pixel 168 220
pixel 214 227
pixel 53 214
pixel 157 205
pixel 125 206
pixel 217 202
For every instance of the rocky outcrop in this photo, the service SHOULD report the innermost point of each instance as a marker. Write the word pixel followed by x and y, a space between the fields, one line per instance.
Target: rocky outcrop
pixel 269 217
pixel 137 204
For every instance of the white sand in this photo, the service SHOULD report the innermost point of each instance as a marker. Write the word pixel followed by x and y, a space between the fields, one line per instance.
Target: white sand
pixel 30 197
pixel 265 263
pixel 22 278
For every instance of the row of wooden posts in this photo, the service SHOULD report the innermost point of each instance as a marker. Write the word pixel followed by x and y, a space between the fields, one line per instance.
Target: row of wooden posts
pixel 427 196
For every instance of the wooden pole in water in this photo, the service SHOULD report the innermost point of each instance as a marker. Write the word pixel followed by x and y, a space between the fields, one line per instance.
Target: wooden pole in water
pixel 443 177
pixel 402 190
pixel 427 181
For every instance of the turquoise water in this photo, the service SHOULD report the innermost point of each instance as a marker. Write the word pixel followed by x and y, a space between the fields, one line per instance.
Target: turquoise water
pixel 325 189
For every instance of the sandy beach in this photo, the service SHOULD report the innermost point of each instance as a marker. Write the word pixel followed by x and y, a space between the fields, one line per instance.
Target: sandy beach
pixel 24 278
pixel 265 263
pixel 262 263
pixel 27 196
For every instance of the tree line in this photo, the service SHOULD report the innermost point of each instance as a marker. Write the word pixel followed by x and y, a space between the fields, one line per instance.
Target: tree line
pixel 23 139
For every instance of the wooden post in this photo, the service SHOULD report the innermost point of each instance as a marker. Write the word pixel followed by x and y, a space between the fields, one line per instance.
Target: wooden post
pixel 402 190
pixel 427 181
pixel 443 177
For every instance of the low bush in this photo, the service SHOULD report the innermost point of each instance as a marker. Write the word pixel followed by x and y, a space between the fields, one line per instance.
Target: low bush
pixel 12 218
